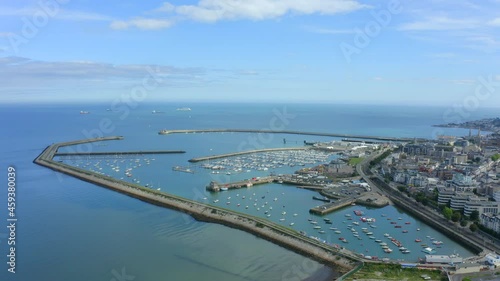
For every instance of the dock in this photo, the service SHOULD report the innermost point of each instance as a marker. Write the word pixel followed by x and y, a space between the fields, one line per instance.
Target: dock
pixel 289 132
pixel 215 186
pixel 183 169
pixel 118 153
pixel 330 207
pixel 205 158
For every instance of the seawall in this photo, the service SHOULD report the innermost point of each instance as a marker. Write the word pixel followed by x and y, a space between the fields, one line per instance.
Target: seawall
pixel 263 228
pixel 166 132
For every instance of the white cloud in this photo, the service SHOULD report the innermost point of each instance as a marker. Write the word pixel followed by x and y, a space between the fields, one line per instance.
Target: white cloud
pixel 440 23
pixel 57 13
pixel 215 10
pixel 142 23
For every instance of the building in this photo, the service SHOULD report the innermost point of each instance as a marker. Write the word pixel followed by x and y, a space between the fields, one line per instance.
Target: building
pixel 458 201
pixel 445 194
pixel 443 259
pixel 493 259
pixel 482 205
pixel 491 221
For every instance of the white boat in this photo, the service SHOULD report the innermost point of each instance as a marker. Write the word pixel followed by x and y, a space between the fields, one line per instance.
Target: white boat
pixel 292 223
pixel 183 109
pixel 224 188
pixel 428 250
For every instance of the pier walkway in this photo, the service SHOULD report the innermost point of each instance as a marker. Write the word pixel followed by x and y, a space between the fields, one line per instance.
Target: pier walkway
pixel 167 132
pixel 330 207
pixel 215 186
pixel 205 158
pixel 118 153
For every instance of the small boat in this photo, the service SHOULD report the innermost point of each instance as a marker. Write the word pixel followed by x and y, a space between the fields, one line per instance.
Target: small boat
pixel 292 223
pixel 378 240
pixel 386 234
pixel 321 231
pixel 333 228
pixel 317 227
pixel 418 240
pixel 406 251
pixel 428 250
pixel 284 220
pixel 337 231
pixel 437 242
pixel 418 229
pixel 388 250
pixel 328 222
pixel 407 222
pixel 216 200
pixel 397 226
pixel 405 231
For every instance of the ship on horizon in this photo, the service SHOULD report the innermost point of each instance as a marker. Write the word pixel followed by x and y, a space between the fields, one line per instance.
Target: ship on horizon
pixel 183 109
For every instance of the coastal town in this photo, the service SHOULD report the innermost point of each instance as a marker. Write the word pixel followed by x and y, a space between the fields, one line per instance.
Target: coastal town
pixel 450 183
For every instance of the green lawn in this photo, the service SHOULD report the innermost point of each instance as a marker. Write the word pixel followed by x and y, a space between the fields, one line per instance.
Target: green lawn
pixel 393 272
pixel 355 160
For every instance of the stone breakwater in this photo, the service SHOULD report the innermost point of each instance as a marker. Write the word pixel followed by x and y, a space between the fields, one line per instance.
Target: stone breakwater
pixel 341 261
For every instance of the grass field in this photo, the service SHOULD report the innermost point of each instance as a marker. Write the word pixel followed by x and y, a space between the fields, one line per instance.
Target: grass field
pixel 393 272
pixel 355 160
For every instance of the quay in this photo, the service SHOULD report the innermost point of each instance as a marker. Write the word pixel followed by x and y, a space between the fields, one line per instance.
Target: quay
pixel 330 207
pixel 215 186
pixel 205 158
pixel 118 153
pixel 289 132
pixel 341 260
pixel 372 199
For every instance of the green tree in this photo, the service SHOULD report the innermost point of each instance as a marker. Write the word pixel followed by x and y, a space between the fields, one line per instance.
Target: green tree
pixel 474 216
pixel 463 223
pixel 402 188
pixel 447 212
pixel 495 157
pixel 473 227
pixel 456 216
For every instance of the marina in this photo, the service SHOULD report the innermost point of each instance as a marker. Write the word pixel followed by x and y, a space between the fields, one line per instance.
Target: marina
pixel 286 205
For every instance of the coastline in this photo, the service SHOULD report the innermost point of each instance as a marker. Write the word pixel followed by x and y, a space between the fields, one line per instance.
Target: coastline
pixel 282 236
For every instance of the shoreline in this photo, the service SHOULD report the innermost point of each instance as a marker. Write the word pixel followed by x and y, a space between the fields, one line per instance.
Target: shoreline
pixel 279 235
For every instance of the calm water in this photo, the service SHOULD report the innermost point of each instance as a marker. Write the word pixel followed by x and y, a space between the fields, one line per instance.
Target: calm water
pixel 71 230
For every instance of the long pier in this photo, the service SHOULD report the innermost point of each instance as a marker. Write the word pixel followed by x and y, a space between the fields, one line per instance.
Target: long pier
pixel 167 132
pixel 215 186
pixel 341 261
pixel 117 153
pixel 205 158
pixel 330 207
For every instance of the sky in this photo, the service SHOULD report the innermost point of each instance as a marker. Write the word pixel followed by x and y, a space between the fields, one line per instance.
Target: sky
pixel 426 52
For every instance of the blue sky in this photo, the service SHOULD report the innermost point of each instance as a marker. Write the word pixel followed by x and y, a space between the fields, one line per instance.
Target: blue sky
pixel 430 52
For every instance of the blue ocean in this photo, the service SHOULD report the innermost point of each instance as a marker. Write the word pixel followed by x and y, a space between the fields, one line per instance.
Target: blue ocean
pixel 68 229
